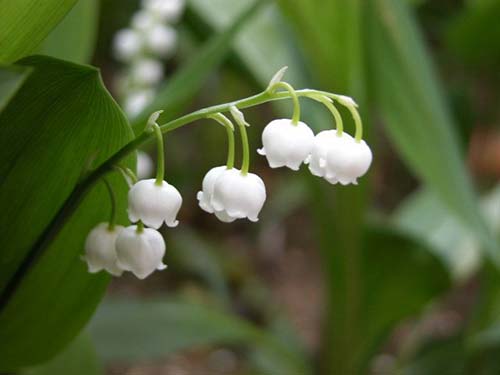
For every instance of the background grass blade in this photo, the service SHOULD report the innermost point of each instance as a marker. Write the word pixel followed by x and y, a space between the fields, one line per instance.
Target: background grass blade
pixel 168 326
pixel 415 114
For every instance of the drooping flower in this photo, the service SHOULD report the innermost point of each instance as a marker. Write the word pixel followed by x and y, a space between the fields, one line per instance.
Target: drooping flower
pixel 154 204
pixel 127 44
pixel 140 251
pixel 339 158
pixel 161 40
pixel 238 196
pixel 100 251
pixel 207 191
pixel 147 71
pixel 286 144
pixel 166 10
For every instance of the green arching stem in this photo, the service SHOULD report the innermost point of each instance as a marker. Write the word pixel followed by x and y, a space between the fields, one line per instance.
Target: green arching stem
pixel 112 199
pixel 358 136
pixel 295 99
pixel 160 166
pixel 73 201
pixel 242 125
pixel 334 111
pixel 127 174
pixel 224 121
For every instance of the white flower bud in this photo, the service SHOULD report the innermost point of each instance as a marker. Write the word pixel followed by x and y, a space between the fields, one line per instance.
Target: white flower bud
pixel 236 196
pixel 143 21
pixel 100 251
pixel 285 144
pixel 136 101
pixel 127 44
pixel 140 252
pixel 147 72
pixel 205 195
pixel 339 158
pixel 154 204
pixel 144 165
pixel 167 10
pixel 161 40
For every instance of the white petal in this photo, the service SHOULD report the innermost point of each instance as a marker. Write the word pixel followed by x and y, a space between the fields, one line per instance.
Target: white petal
pixel 154 204
pixel 100 252
pixel 141 253
pixel 286 144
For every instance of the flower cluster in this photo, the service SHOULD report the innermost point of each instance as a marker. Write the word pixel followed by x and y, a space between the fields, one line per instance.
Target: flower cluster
pixel 228 192
pixel 141 46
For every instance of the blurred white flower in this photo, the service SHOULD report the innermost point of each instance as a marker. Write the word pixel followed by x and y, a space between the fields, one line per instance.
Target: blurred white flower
pixel 161 40
pixel 339 158
pixel 144 165
pixel 154 204
pixel 286 144
pixel 100 251
pixel 166 10
pixel 140 252
pixel 144 21
pixel 205 195
pixel 136 101
pixel 127 44
pixel 238 196
pixel 147 71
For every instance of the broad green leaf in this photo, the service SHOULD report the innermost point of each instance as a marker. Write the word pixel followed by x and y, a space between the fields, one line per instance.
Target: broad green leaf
pixel 25 23
pixel 145 330
pixel 78 358
pixel 187 81
pixel 61 122
pixel 408 96
pixel 11 78
pixel 74 38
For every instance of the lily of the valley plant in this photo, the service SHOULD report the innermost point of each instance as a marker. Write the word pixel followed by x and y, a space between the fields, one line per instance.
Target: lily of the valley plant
pixel 228 192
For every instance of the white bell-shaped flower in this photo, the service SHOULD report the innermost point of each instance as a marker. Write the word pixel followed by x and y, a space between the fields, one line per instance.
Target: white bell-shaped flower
pixel 167 10
pixel 147 71
pixel 207 190
pixel 161 40
pixel 350 160
pixel 339 158
pixel 238 196
pixel 286 144
pixel 154 204
pixel 100 251
pixel 140 252
pixel 127 44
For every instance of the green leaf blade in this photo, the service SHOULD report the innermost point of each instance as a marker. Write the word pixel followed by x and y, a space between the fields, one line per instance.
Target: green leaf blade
pixel 25 23
pixel 61 119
